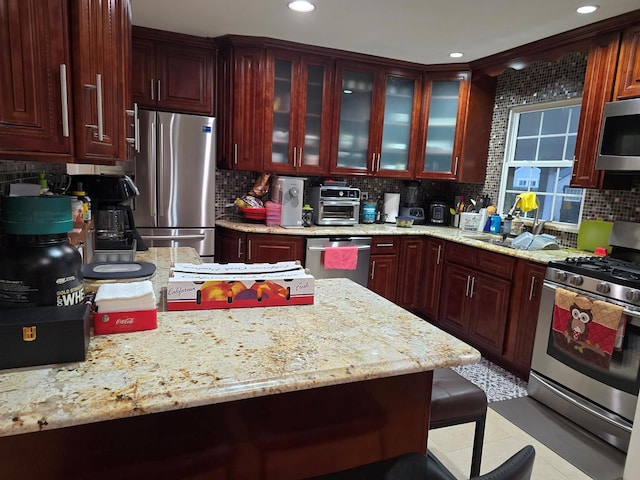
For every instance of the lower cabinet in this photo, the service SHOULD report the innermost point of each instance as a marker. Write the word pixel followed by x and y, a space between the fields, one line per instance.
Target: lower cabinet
pixel 523 316
pixel 432 277
pixel 383 267
pixel 410 266
pixel 240 247
pixel 474 302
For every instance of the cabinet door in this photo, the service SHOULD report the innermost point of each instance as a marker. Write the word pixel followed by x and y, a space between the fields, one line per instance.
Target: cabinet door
pixel 383 274
pixel 410 273
pixel 273 248
pixel 487 320
pixel 454 300
pixel 432 274
pixel 400 126
pixel 98 71
pixel 523 316
pixel 143 77
pixel 628 77
pixel 598 89
pixel 35 78
pixel 444 105
pixel 184 78
pixel 230 246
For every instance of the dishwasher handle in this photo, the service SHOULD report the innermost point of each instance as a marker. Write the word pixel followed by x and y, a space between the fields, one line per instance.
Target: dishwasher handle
pixel 322 249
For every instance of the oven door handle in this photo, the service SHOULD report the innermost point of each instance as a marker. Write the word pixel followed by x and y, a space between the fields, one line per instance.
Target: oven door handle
pixel 340 203
pixel 578 404
pixel 635 316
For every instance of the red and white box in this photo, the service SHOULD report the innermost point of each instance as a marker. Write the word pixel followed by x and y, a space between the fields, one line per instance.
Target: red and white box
pixel 125 307
pixel 237 285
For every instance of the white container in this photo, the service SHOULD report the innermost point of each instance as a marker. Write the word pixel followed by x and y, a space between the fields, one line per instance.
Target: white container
pixel 391 206
pixel 469 221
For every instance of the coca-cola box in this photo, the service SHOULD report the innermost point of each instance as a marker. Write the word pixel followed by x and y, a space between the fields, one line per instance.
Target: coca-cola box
pixel 44 335
pixel 123 322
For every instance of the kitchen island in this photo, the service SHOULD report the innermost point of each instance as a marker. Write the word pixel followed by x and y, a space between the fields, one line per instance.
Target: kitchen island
pixel 278 392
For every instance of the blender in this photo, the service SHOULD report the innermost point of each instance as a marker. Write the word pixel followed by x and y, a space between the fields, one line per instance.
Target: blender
pixel 411 205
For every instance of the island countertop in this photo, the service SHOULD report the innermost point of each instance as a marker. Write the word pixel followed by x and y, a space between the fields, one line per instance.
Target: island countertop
pixel 205 357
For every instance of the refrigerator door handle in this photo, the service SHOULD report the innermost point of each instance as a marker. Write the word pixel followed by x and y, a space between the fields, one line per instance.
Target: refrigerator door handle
pixel 160 167
pixel 173 237
pixel 153 171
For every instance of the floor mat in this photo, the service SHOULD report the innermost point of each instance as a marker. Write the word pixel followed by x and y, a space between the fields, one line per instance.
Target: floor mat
pixel 497 383
pixel 583 450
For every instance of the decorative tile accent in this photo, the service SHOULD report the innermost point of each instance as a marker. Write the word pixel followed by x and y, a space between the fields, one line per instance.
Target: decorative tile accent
pixel 497 383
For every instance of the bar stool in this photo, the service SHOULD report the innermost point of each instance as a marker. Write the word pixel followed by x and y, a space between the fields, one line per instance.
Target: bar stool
pixel 455 400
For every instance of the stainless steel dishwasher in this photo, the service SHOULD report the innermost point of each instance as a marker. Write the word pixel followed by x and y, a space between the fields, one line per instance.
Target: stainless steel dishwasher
pixel 314 259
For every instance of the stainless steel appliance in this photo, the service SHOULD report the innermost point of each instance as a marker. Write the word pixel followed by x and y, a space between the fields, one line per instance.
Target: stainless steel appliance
pixel 289 193
pixel 596 391
pixel 619 144
pixel 411 206
pixel 175 172
pixel 438 213
pixel 335 205
pixel 316 248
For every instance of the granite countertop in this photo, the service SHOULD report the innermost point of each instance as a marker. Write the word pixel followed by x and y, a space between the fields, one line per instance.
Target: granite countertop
pixel 445 233
pixel 205 357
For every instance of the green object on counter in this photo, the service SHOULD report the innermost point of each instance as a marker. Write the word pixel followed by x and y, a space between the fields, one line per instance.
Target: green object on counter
pixel 36 215
pixel 307 208
pixel 593 234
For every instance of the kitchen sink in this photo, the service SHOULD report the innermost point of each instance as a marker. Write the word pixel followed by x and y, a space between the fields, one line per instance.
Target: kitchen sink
pixel 535 242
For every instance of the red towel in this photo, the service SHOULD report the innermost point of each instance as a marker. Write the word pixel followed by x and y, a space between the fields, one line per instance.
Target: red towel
pixel 586 328
pixel 340 258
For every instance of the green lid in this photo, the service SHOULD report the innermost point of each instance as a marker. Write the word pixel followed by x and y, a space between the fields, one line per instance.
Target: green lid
pixel 36 215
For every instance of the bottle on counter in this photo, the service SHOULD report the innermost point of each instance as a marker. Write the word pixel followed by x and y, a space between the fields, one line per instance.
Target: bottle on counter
pixel 516 225
pixel 86 202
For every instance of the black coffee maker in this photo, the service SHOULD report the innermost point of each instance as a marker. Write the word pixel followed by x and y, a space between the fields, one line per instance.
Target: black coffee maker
pixel 113 218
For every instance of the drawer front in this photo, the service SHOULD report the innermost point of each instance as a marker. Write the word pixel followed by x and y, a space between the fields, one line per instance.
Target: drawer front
pixel 461 254
pixel 496 264
pixel 384 245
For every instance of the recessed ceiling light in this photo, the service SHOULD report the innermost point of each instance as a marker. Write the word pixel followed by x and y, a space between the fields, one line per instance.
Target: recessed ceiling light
pixel 302 6
pixel 587 8
pixel 456 54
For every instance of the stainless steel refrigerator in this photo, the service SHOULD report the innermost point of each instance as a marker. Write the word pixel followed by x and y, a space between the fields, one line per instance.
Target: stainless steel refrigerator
pixel 175 173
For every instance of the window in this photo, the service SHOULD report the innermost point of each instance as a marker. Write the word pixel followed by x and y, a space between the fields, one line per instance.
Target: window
pixel 541 140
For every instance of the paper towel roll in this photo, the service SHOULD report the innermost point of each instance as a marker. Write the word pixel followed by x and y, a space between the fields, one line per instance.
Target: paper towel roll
pixel 391 206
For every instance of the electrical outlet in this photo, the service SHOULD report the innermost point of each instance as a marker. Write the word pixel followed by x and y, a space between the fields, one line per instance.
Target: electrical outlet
pixel 364 195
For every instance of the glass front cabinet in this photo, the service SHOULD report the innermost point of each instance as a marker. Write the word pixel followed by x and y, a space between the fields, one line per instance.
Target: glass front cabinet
pixel 298 99
pixel 377 120
pixel 443 124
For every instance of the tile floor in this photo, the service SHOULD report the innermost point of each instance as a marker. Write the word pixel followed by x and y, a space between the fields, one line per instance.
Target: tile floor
pixel 452 445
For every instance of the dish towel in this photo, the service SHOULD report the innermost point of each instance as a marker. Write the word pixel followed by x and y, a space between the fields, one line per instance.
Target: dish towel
pixel 586 328
pixel 125 297
pixel 340 258
pixel 528 201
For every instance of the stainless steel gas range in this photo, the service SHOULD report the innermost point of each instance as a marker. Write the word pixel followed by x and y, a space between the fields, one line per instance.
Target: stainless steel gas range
pixel 586 357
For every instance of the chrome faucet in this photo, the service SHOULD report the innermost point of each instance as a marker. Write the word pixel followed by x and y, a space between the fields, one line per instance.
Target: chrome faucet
pixel 537 226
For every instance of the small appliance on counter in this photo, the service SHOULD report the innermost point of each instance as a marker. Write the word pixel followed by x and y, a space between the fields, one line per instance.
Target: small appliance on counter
pixel 335 205
pixel 289 193
pixel 391 207
pixel 438 213
pixel 411 206
pixel 117 238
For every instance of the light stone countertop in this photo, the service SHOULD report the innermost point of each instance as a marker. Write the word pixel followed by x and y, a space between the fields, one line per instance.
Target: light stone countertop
pixel 445 233
pixel 205 357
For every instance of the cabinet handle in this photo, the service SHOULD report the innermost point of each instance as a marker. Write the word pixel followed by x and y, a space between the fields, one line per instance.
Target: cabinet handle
pixel 98 89
pixel 455 167
pixel 439 253
pixel 473 284
pixel 384 244
pixel 300 156
pixel 373 269
pixel 295 152
pixel 239 248
pixel 158 82
pixel 533 284
pixel 373 162
pixel 466 292
pixel 64 98
pixel 378 169
pixel 235 153
pixel 249 249
pixel 153 97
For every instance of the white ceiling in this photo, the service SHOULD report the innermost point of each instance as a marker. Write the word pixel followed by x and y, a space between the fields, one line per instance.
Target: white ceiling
pixel 422 31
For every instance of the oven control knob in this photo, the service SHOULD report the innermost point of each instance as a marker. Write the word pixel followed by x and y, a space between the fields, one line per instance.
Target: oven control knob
pixel 633 295
pixel 575 280
pixel 561 276
pixel 603 287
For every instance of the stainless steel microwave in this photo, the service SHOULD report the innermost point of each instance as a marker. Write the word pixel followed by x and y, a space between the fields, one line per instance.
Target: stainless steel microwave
pixel 619 143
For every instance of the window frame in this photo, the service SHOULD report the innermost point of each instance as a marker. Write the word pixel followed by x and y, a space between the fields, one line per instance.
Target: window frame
pixel 509 153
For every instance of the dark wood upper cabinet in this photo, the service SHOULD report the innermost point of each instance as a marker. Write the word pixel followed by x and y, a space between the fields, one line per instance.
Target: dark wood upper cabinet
pixel 35 79
pixel 628 76
pixel 63 80
pixel 598 89
pixel 173 72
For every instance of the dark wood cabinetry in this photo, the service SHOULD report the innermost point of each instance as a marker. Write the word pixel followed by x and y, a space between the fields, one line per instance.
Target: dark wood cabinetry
pixel 172 72
pixel 628 76
pixel 411 259
pixel 240 247
pixel 383 266
pixel 432 277
pixel 523 316
pixel 63 80
pixel 475 296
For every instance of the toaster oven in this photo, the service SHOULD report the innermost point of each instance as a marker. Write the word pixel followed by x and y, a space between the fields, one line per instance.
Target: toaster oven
pixel 335 205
